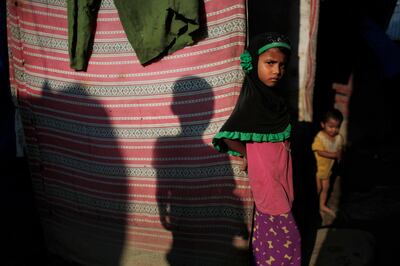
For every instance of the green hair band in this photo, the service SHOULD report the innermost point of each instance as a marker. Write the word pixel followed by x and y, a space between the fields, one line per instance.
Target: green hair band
pixel 272 45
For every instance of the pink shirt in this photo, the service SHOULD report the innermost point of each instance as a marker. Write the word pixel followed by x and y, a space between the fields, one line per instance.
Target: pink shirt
pixel 270 176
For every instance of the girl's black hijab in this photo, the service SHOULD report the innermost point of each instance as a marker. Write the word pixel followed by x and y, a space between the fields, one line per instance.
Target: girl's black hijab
pixel 259 109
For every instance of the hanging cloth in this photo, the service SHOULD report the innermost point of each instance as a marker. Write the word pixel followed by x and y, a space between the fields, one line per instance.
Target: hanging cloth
pixel 154 28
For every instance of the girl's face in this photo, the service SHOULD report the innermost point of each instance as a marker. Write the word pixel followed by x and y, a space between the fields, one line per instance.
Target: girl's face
pixel 271 66
pixel 331 127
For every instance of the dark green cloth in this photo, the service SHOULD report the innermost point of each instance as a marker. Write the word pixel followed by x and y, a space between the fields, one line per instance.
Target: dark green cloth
pixel 153 27
pixel 82 16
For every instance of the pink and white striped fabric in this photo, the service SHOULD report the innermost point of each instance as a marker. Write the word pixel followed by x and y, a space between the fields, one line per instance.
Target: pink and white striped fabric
pixel 121 160
pixel 309 16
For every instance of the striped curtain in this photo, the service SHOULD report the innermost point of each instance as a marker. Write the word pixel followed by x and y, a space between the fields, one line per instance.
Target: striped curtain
pixel 120 155
pixel 308 31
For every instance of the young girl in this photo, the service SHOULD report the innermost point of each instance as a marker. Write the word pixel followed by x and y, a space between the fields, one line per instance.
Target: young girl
pixel 258 130
pixel 327 147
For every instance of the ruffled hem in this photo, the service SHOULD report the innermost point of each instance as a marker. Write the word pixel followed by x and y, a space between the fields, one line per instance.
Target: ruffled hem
pixel 220 145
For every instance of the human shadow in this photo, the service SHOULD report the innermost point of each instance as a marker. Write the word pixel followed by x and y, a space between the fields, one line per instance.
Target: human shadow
pixel 197 195
pixel 19 214
pixel 78 174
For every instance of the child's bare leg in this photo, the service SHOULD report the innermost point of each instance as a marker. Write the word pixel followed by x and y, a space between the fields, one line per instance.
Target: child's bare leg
pixel 319 185
pixel 323 196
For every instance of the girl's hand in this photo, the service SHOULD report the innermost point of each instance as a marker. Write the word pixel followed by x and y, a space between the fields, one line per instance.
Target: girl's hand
pixel 243 166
